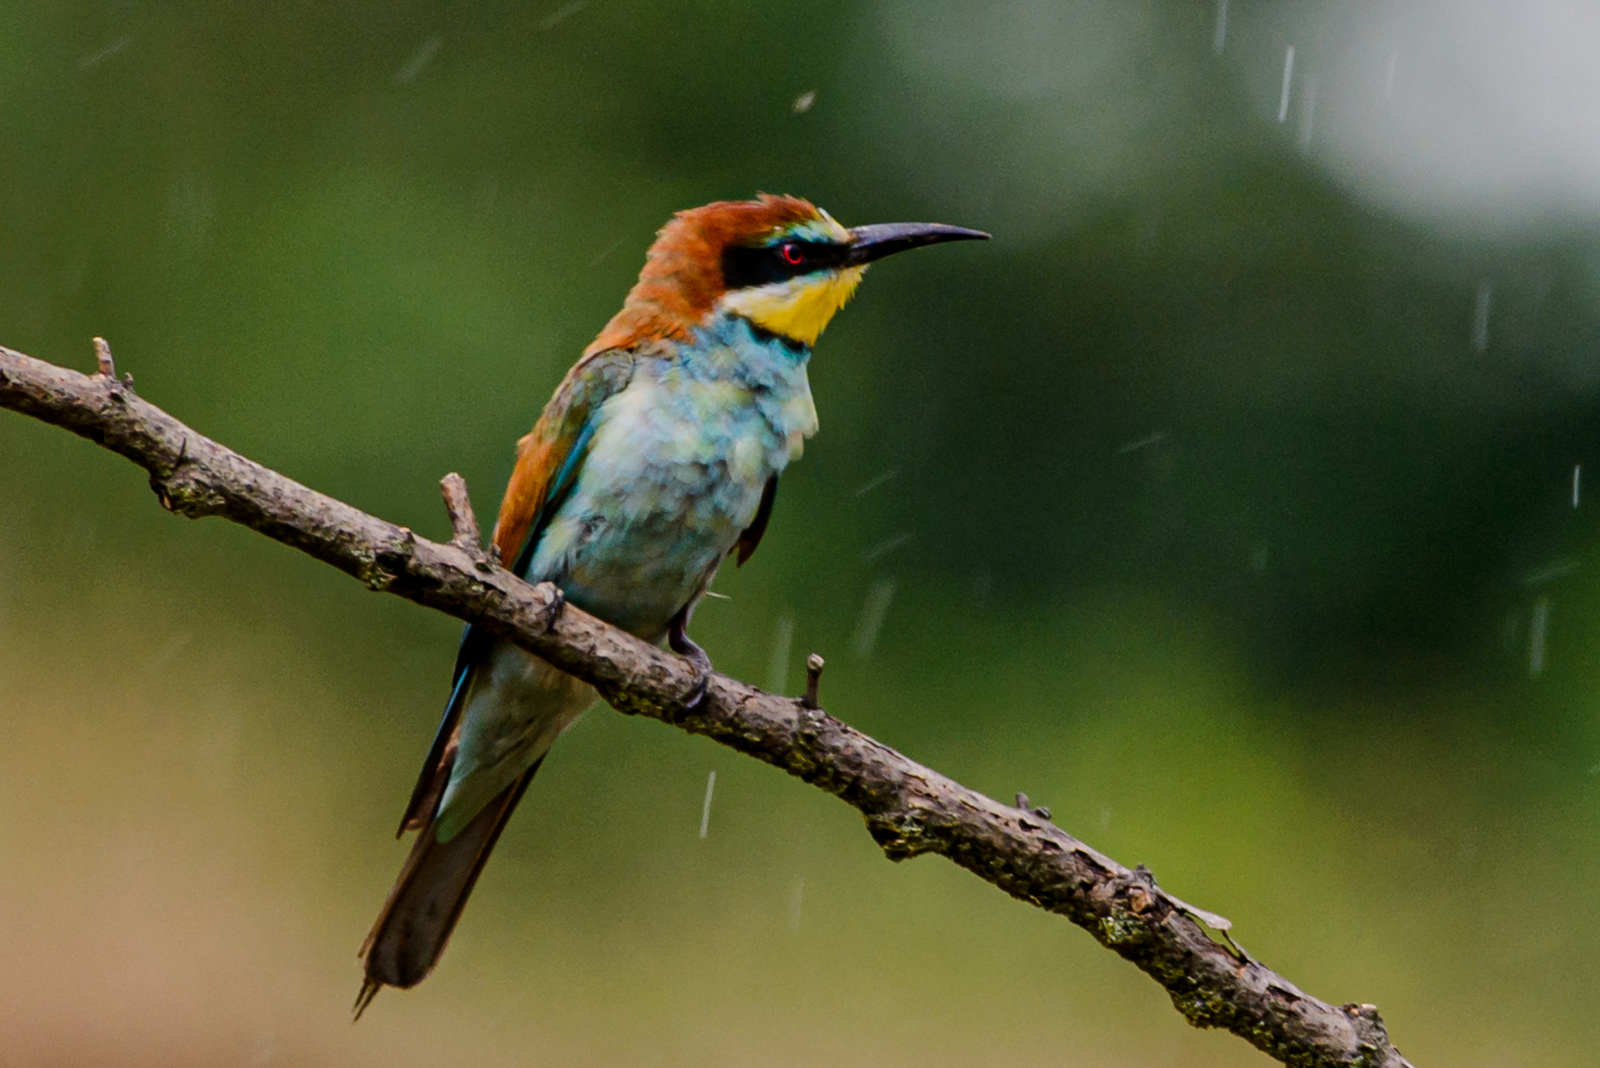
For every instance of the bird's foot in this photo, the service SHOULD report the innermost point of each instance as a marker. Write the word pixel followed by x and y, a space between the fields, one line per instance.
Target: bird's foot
pixel 678 641
pixel 552 611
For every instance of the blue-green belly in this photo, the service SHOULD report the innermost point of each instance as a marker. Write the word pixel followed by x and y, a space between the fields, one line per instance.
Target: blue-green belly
pixel 673 476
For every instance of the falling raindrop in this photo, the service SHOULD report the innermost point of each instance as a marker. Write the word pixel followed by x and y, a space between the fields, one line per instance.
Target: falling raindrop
pixel 1555 569
pixel 1536 635
pixel 705 811
pixel 1388 80
pixel 1480 317
pixel 1577 476
pixel 508 1006
pixel 1288 77
pixel 179 642
pixel 419 59
pixel 190 206
pixel 884 548
pixel 1220 37
pixel 608 250
pixel 803 102
pixel 796 897
pixel 1144 443
pixel 94 59
pixel 561 14
pixel 778 667
pixel 266 1046
pixel 873 483
pixel 873 611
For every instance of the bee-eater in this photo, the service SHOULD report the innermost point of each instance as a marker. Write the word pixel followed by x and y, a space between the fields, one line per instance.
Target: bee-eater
pixel 657 458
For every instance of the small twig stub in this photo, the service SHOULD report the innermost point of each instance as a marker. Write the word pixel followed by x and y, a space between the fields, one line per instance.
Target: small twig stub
pixel 465 534
pixel 104 364
pixel 814 666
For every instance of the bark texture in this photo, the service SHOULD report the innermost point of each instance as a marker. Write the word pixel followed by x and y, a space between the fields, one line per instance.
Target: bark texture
pixel 909 809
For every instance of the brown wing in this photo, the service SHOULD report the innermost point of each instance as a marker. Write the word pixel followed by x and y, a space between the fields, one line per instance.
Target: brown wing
pixel 549 456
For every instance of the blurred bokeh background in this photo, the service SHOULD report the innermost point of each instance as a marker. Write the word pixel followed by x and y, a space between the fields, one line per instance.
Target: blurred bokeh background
pixel 1232 503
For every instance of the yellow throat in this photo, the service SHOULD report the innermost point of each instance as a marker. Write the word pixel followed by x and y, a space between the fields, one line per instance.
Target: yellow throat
pixel 798 309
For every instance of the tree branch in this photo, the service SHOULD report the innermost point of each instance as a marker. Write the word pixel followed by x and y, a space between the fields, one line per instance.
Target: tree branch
pixel 909 809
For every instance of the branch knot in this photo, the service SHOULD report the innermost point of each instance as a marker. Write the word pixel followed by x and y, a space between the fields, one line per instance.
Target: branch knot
pixel 186 489
pixel 901 834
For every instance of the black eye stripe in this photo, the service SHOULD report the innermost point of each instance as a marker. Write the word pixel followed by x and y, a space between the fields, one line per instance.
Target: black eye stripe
pixel 743 266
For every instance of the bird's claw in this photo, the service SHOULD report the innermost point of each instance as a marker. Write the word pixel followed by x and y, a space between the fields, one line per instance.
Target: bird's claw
pixel 552 611
pixel 700 664
pixel 678 641
pixel 697 690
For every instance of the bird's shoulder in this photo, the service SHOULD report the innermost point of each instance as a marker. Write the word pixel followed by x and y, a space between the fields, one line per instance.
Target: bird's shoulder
pixel 548 455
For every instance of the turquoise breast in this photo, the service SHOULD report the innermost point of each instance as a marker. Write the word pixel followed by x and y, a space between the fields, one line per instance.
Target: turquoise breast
pixel 674 474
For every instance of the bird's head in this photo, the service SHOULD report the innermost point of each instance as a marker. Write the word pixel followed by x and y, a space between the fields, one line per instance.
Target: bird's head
pixel 779 262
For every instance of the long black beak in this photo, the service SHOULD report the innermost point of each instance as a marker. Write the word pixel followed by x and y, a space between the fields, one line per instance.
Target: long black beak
pixel 885 239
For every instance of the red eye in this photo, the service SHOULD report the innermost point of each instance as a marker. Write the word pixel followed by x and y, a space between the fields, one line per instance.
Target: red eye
pixel 792 253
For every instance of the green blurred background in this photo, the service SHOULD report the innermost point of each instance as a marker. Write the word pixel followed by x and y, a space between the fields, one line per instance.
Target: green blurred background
pixel 1224 503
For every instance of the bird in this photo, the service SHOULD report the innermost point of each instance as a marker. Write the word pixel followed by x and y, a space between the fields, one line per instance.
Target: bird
pixel 656 459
